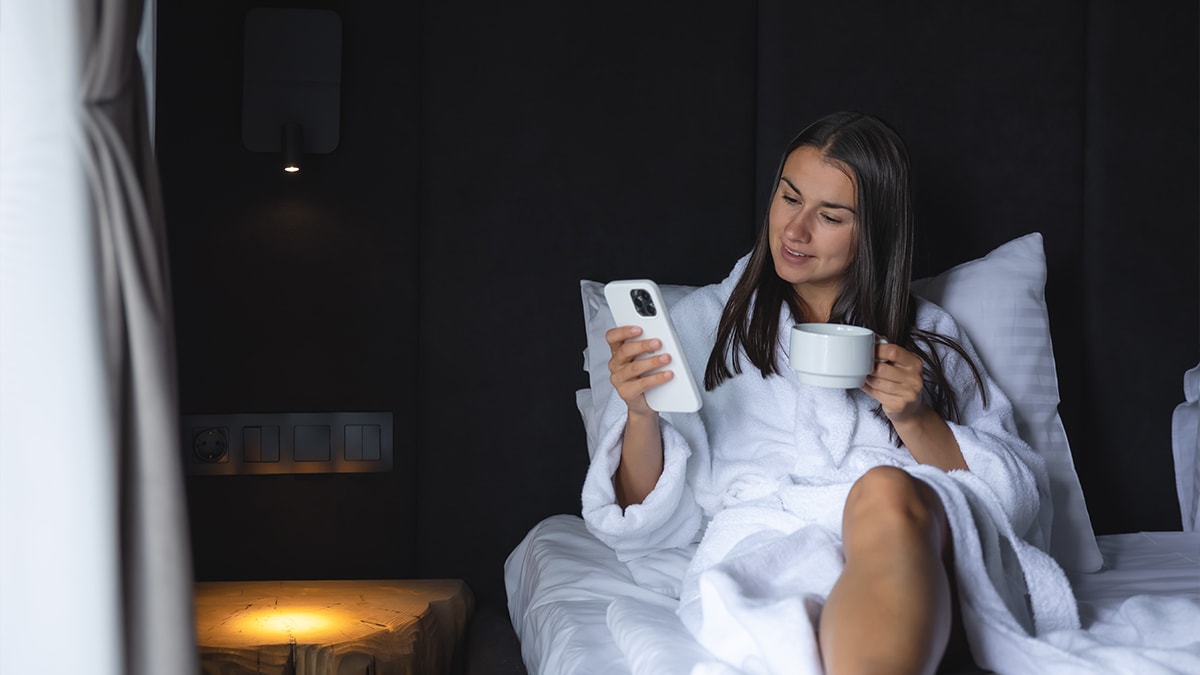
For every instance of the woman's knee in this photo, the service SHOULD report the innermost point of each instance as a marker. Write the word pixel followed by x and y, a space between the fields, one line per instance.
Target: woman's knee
pixel 889 499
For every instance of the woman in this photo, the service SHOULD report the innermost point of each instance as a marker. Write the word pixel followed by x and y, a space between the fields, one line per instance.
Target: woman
pixel 771 467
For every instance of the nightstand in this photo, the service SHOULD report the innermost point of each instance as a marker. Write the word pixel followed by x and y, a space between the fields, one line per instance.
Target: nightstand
pixel 377 627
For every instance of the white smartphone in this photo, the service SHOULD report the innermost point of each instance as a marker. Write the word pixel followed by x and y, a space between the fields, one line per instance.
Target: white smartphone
pixel 638 302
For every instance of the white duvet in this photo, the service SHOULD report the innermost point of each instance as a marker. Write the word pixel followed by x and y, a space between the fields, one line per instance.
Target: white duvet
pixel 578 610
pixel 758 478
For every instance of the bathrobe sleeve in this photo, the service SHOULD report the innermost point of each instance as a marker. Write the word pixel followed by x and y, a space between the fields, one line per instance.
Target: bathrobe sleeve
pixel 987 435
pixel 668 517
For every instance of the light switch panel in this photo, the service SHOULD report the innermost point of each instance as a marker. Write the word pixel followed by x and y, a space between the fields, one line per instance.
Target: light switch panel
pixel 287 443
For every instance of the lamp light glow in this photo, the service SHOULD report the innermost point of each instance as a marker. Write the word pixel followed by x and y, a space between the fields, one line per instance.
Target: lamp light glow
pixel 293 623
pixel 305 623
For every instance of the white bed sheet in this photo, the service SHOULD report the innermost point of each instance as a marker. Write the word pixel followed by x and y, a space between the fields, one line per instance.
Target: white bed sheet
pixel 563 585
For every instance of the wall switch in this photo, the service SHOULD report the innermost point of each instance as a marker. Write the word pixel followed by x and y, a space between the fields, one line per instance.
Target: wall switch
pixel 371 444
pixel 362 443
pixel 270 443
pixel 312 442
pixel 354 444
pixel 217 445
pixel 260 444
pixel 252 444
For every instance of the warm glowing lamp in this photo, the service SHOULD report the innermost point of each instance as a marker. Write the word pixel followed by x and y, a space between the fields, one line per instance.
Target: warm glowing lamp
pixel 293 144
pixel 291 83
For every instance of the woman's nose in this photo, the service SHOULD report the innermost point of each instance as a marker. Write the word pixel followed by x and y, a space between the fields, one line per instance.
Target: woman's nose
pixel 799 228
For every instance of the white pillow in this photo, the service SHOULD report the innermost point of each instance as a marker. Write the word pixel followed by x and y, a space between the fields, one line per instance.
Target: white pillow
pixel 999 301
pixel 1185 444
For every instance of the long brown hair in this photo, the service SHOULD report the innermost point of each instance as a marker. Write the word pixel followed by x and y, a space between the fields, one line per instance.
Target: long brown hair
pixel 875 292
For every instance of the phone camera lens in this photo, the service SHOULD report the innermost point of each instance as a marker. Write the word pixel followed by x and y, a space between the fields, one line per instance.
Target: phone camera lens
pixel 642 302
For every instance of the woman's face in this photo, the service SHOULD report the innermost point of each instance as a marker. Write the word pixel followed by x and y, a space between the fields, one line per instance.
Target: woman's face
pixel 812 222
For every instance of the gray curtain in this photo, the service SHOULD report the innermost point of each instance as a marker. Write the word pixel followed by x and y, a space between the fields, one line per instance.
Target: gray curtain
pixel 155 561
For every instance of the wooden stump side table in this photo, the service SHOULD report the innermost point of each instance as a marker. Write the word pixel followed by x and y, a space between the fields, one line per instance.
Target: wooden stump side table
pixel 377 627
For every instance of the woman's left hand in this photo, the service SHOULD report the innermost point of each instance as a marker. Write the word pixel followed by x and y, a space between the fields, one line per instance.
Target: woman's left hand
pixel 896 381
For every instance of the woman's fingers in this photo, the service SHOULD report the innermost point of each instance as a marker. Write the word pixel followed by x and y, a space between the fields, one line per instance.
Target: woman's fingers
pixel 615 337
pixel 633 382
pixel 896 381
pixel 636 369
pixel 898 356
pixel 632 350
pixel 631 364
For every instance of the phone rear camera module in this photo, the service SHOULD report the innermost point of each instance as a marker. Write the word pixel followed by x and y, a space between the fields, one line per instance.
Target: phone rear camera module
pixel 642 302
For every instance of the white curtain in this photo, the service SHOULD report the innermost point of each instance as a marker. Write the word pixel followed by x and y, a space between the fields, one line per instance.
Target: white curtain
pixel 95 572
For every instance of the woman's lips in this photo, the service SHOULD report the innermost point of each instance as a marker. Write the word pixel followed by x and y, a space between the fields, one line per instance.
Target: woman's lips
pixel 795 256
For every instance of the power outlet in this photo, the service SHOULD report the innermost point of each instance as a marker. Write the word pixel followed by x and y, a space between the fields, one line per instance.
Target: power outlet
pixel 211 444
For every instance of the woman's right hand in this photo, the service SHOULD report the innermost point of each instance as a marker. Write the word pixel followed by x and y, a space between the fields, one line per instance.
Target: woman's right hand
pixel 629 373
pixel 641 445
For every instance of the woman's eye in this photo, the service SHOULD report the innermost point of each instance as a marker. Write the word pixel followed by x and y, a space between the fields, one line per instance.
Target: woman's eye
pixel 830 219
pixel 790 199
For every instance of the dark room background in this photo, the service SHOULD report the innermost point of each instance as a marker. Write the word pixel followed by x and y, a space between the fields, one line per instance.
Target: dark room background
pixel 491 155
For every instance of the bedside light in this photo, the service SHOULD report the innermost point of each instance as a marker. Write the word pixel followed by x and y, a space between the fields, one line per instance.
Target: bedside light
pixel 291 83
pixel 293 144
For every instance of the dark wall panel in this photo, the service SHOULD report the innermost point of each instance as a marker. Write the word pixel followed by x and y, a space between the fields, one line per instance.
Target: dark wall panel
pixel 1141 248
pixel 295 293
pixel 988 97
pixel 561 143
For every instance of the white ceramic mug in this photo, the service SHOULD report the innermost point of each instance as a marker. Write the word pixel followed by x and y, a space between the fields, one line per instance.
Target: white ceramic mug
pixel 832 354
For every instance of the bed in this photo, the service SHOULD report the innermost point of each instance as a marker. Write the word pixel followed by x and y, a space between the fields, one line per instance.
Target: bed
pixel 577 609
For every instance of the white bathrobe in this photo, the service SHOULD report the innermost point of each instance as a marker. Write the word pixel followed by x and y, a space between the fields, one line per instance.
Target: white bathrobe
pixel 760 476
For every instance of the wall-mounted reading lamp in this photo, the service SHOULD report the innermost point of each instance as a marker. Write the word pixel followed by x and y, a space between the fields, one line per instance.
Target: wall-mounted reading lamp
pixel 291 86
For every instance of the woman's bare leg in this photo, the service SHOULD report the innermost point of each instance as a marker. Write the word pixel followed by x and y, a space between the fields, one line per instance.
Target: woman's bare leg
pixel 890 611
